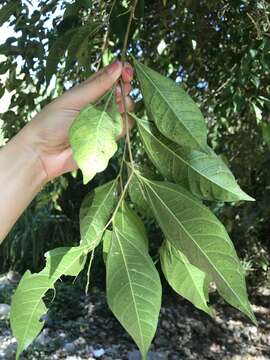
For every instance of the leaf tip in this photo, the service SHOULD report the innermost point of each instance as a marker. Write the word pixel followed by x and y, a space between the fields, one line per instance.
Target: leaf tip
pixel 246 197
pixel 86 178
pixel 211 312
pixel 252 317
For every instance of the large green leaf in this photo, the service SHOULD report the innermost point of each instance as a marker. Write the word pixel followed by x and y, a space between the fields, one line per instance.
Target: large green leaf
pixel 174 112
pixel 95 212
pixel 205 175
pixel 186 279
pixel 133 284
pixel 27 307
pixel 194 230
pixel 93 141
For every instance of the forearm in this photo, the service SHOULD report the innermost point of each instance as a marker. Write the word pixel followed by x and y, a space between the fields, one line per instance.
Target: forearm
pixel 21 177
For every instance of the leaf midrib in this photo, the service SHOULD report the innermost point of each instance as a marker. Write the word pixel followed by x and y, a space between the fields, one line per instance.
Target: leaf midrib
pixel 221 276
pixel 188 164
pixel 99 122
pixel 98 210
pixel 191 274
pixel 131 288
pixel 40 299
pixel 172 108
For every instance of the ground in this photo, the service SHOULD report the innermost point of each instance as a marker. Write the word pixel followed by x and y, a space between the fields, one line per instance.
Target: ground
pixel 82 327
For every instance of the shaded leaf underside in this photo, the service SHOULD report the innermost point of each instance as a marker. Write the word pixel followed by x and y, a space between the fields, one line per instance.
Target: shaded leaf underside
pixel 205 175
pixel 175 114
pixel 95 212
pixel 27 307
pixel 133 285
pixel 194 230
pixel 187 280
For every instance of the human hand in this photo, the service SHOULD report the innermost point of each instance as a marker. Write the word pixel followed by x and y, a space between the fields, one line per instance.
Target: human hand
pixel 47 133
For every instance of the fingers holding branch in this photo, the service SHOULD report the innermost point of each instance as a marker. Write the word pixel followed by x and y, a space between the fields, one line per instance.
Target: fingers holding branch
pixel 123 100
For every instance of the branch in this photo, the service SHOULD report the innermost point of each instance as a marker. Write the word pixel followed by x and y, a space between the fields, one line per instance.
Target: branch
pixel 131 17
pixel 123 58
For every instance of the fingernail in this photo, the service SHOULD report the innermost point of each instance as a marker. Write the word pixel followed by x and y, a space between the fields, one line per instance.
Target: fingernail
pixel 129 70
pixel 113 67
pixel 118 91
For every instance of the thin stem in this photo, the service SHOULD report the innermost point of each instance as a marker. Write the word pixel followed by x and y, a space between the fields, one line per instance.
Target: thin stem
pixel 127 143
pixel 106 36
pixel 121 197
pixel 88 270
pixel 118 204
pixel 126 124
pixel 132 12
pixel 122 166
pixel 123 59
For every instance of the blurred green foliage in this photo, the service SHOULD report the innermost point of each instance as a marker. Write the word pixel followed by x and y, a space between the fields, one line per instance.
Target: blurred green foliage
pixel 218 50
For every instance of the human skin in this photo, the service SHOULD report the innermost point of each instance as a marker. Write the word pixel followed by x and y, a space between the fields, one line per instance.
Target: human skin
pixel 41 152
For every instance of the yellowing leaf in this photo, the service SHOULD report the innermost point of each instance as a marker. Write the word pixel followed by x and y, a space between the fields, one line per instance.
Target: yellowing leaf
pixel 93 142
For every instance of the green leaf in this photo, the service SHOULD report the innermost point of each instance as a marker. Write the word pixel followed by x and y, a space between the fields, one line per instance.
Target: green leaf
pixel 80 40
pixel 136 191
pixel 2 90
pixel 133 284
pixel 56 53
pixel 95 212
pixel 4 67
pixel 194 230
pixel 93 142
pixel 74 8
pixel 266 133
pixel 258 113
pixel 138 198
pixel 187 280
pixel 175 114
pixel 7 10
pixel 27 307
pixel 83 54
pixel 119 19
pixel 116 118
pixel 106 242
pixel 141 8
pixel 205 175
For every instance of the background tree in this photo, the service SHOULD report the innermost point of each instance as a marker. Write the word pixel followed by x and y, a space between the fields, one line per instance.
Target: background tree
pixel 218 50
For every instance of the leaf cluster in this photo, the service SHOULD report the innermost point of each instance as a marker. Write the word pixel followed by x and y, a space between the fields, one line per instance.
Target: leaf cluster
pixel 220 52
pixel 196 249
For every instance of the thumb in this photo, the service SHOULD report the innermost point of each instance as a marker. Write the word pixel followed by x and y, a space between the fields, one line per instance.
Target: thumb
pixel 92 89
